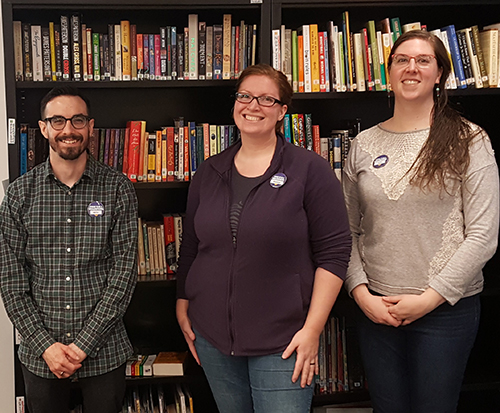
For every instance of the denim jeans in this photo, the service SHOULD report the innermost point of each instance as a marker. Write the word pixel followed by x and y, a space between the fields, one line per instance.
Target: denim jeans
pixel 257 384
pixel 419 368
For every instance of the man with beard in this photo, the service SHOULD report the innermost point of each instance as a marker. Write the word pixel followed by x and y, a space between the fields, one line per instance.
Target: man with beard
pixel 68 242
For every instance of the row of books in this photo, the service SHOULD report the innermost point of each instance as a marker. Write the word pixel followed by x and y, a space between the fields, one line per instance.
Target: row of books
pixel 33 148
pixel 340 365
pixel 158 398
pixel 165 363
pixel 70 50
pixel 339 59
pixel 170 154
pixel 158 247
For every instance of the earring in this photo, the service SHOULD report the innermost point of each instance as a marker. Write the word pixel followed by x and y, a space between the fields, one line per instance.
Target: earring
pixel 389 95
pixel 437 91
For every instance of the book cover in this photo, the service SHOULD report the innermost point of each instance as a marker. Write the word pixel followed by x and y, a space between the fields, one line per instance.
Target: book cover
pixel 133 52
pixel 300 52
pixel 295 61
pixel 314 46
pixel 18 50
pixel 65 48
pixel 117 34
pixel 209 52
pixel 489 44
pixel 46 58
pixel 455 56
pixel 76 44
pixel 226 47
pixel 483 73
pixel 218 52
pixel 23 148
pixel 125 46
pixel 141 258
pixel 96 56
pixel 27 58
pixel 36 52
pixel 169 363
pixel 193 46
pixel 465 57
pixel 359 62
pixel 202 50
pixel 158 156
pixel 307 58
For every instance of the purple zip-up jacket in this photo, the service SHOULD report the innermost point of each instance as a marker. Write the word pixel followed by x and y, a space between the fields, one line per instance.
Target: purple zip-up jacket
pixel 249 295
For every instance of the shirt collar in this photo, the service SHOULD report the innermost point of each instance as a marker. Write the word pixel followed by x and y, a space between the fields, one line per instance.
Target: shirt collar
pixel 90 168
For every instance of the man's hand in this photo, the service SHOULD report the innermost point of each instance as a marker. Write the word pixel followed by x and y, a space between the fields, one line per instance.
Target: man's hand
pixel 81 355
pixel 62 360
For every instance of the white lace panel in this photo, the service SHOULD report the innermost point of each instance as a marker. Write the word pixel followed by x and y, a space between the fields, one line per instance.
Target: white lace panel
pixel 453 237
pixel 401 150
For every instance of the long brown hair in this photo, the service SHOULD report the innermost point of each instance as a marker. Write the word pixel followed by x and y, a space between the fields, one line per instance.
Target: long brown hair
pixel 445 154
pixel 262 69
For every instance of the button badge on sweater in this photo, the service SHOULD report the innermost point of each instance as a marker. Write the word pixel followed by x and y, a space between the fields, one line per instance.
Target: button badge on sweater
pixel 278 180
pixel 380 161
pixel 95 209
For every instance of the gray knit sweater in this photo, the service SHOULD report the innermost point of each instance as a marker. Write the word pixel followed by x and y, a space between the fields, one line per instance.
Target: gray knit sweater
pixel 406 240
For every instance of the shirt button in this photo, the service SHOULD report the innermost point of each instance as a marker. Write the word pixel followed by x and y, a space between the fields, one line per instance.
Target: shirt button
pixel 68 278
pixel 69 192
pixel 68 334
pixel 68 307
pixel 68 249
pixel 68 220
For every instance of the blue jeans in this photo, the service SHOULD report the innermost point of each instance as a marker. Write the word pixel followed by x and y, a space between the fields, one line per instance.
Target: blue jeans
pixel 257 384
pixel 419 368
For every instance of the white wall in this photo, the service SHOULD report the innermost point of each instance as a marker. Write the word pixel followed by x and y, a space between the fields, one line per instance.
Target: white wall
pixel 7 400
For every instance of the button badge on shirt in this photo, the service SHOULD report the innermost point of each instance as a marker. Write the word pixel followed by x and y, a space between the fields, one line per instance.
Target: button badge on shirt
pixel 380 161
pixel 278 180
pixel 95 209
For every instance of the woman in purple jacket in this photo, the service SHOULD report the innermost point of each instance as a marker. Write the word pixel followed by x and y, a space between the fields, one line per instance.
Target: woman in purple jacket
pixel 265 250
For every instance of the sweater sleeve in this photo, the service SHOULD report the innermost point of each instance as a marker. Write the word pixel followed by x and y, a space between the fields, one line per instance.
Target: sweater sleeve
pixel 328 225
pixel 355 273
pixel 480 197
pixel 189 246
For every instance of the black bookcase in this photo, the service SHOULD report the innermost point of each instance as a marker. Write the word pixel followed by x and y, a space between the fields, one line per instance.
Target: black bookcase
pixel 481 389
pixel 151 317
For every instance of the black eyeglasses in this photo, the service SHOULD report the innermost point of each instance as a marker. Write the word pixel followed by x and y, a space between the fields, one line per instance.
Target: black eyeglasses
pixel 59 122
pixel 266 101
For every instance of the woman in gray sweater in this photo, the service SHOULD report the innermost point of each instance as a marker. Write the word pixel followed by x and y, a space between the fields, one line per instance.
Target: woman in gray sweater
pixel 422 195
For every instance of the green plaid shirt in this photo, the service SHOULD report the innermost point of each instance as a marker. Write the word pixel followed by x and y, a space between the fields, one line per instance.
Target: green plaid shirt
pixel 68 272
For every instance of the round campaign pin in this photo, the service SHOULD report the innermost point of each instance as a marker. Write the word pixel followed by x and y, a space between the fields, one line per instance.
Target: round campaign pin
pixel 380 161
pixel 278 180
pixel 95 209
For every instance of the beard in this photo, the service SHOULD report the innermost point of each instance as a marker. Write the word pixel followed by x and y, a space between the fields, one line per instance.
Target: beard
pixel 69 153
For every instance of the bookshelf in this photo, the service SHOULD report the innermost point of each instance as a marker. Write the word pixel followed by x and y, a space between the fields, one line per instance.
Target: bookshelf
pixel 150 319
pixel 481 388
pixel 151 316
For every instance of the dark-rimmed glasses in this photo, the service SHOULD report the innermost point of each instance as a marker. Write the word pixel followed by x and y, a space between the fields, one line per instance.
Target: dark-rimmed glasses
pixel 423 61
pixel 266 101
pixel 59 122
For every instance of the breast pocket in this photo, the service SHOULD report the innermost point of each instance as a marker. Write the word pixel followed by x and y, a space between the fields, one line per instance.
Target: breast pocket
pixel 94 238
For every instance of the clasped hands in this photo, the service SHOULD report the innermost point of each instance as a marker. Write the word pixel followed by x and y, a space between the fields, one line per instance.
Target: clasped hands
pixel 398 310
pixel 63 360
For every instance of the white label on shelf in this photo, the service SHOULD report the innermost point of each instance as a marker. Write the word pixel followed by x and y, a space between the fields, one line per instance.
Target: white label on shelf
pixel 12 131
pixel 256 1
pixel 20 404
